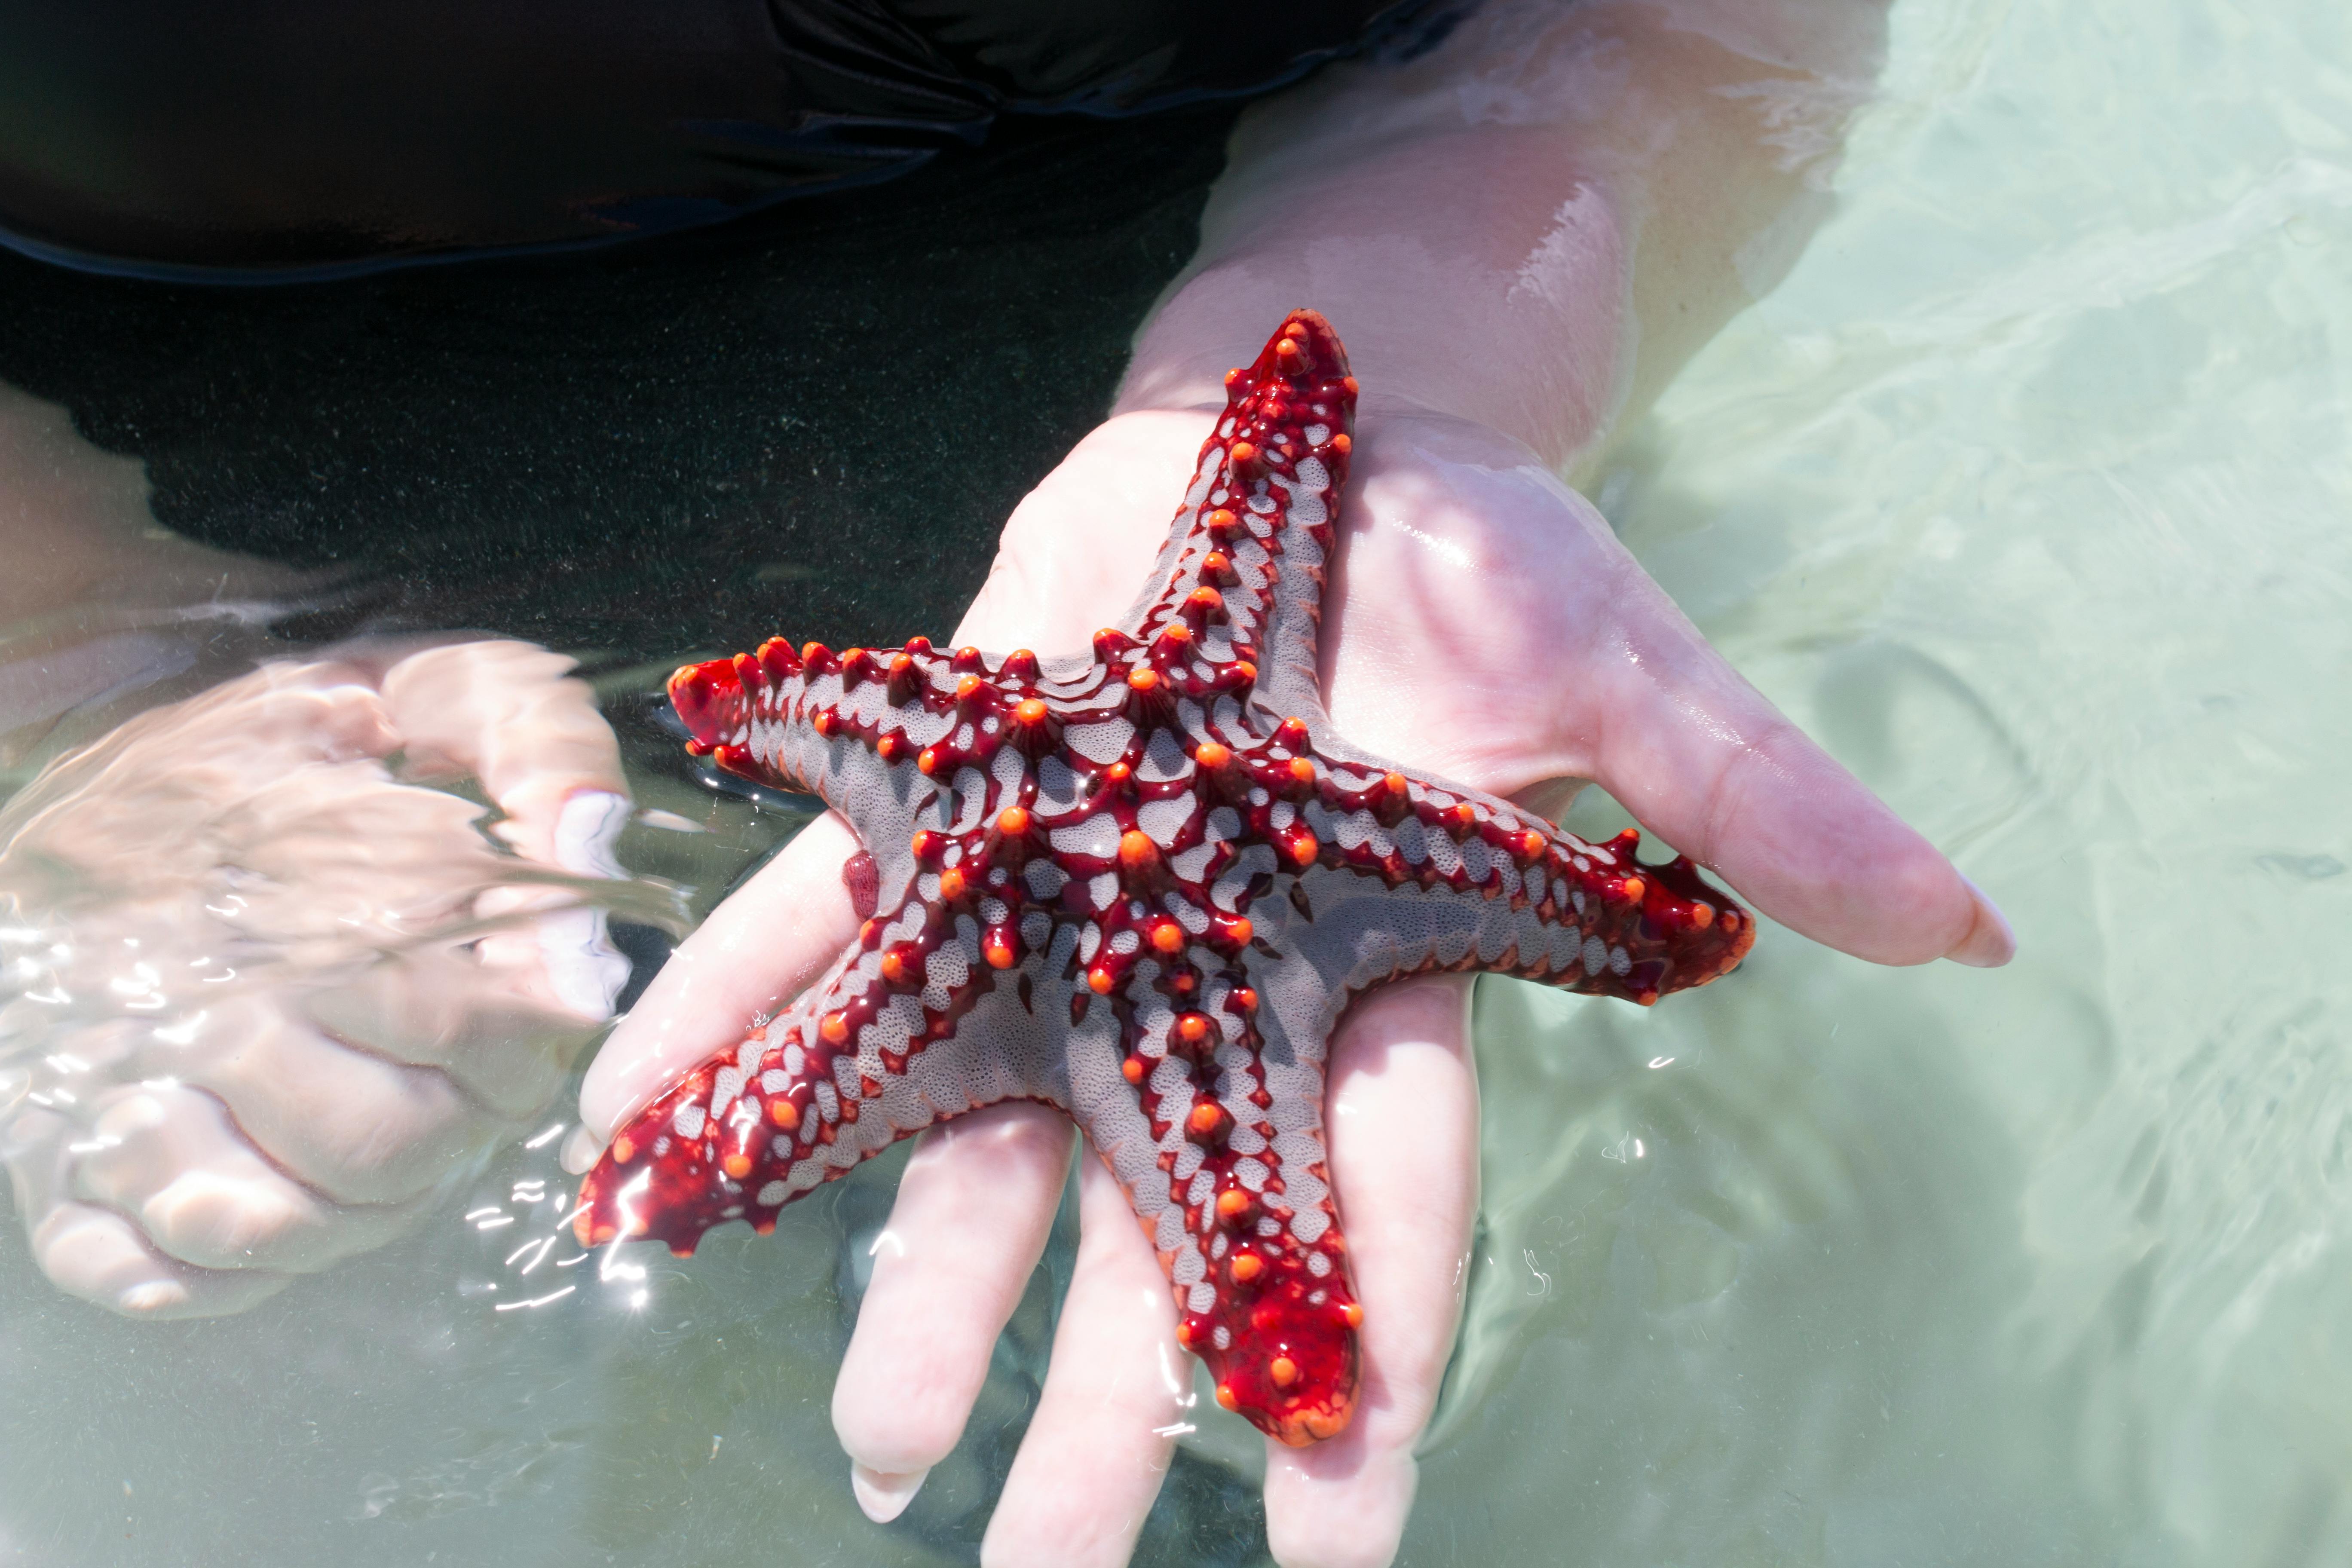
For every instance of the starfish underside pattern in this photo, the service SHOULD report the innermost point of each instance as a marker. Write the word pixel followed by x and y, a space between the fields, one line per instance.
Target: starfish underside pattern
pixel 1140 885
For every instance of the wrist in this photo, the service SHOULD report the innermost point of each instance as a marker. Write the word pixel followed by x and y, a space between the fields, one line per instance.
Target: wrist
pixel 1544 363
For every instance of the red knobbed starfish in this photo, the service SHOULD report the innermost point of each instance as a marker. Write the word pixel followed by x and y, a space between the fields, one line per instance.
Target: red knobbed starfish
pixel 1140 885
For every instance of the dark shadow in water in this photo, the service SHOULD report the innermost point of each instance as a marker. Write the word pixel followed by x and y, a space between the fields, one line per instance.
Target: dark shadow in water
pixel 813 423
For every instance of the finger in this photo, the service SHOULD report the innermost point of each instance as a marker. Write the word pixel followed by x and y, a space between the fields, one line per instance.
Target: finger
pixel 1401 1076
pixel 1558 657
pixel 323 711
pixel 770 940
pixel 345 848
pixel 505 713
pixel 1098 1445
pixel 505 1047
pixel 167 1157
pixel 97 1254
pixel 358 1128
pixel 560 960
pixel 128 797
pixel 1491 586
pixel 970 1223
pixel 1699 756
pixel 563 957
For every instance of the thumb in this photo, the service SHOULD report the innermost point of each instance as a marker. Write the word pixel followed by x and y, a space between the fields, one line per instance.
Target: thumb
pixel 508 713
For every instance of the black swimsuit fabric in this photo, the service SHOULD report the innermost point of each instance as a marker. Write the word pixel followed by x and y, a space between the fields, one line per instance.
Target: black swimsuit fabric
pixel 292 137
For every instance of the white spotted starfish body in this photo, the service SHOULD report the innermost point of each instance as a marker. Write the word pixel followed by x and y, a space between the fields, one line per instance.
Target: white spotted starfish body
pixel 1139 884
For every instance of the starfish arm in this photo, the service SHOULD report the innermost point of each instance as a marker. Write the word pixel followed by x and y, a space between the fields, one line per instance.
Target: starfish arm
pixel 1210 1118
pixel 1240 581
pixel 909 1029
pixel 1250 1236
pixel 793 718
pixel 868 731
pixel 1524 898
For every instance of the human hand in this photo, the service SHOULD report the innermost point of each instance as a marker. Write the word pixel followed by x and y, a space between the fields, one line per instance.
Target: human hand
pixel 265 998
pixel 1482 621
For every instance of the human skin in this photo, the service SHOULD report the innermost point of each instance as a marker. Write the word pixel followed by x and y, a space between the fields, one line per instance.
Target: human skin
pixel 266 996
pixel 210 1095
pixel 106 612
pixel 80 532
pixel 1521 235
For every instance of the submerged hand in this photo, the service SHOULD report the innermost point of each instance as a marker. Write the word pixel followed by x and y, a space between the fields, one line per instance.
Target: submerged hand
pixel 265 998
pixel 1484 622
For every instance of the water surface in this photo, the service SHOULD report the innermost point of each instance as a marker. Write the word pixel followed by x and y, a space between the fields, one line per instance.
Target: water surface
pixel 2027 493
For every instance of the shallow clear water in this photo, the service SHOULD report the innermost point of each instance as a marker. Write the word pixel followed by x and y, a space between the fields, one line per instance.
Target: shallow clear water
pixel 2027 492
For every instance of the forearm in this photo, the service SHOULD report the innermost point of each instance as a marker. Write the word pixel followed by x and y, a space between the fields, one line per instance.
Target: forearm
pixel 80 540
pixel 1532 225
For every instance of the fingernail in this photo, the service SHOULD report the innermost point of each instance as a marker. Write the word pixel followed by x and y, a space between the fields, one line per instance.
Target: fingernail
pixel 582 966
pixel 883 1496
pixel 585 831
pixel 581 1152
pixel 152 1300
pixel 1989 942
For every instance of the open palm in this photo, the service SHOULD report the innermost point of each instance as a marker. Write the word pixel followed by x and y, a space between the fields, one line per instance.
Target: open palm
pixel 1482 623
